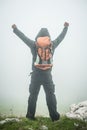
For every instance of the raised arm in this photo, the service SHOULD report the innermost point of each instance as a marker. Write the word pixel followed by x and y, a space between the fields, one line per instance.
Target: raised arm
pixel 29 42
pixel 61 36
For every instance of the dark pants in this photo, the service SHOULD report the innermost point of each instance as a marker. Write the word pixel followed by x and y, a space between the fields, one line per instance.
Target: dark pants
pixel 44 78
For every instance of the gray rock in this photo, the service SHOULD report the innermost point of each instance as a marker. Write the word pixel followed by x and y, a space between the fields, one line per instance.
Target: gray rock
pixel 9 119
pixel 30 129
pixel 78 111
pixel 43 127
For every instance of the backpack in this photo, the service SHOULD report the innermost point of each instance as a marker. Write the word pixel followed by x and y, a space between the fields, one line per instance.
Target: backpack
pixel 44 53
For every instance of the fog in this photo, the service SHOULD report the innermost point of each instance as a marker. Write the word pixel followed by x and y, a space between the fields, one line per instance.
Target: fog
pixel 70 58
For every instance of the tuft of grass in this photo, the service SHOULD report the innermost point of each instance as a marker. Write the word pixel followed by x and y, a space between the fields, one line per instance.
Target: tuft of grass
pixel 63 124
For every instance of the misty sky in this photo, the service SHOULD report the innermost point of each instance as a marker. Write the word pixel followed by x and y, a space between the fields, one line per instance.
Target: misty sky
pixel 70 58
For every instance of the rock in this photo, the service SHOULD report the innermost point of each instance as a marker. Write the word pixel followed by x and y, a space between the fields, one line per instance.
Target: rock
pixel 75 124
pixel 30 129
pixel 78 111
pixel 43 127
pixel 9 119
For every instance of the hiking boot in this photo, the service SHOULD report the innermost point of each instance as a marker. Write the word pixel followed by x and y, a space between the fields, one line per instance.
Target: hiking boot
pixel 56 118
pixel 31 118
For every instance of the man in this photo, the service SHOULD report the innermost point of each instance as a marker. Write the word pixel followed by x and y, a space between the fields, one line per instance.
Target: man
pixel 42 50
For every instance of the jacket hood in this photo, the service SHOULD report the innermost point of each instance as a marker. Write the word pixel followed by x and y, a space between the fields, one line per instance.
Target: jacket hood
pixel 42 33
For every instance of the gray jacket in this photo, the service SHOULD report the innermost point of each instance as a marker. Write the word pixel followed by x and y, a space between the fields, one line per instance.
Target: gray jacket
pixel 31 44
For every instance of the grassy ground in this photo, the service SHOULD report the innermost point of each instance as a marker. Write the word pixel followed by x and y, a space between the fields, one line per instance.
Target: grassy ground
pixel 63 124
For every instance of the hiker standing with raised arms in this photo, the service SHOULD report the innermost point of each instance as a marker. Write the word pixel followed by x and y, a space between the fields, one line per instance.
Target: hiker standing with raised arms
pixel 42 50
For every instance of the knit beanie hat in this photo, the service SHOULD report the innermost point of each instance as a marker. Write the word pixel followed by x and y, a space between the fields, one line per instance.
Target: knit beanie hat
pixel 42 33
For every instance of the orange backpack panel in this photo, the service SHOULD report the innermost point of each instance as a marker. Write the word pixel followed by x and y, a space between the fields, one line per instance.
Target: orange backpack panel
pixel 44 53
pixel 43 41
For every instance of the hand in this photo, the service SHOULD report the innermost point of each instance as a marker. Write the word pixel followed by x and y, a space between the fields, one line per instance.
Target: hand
pixel 14 26
pixel 66 24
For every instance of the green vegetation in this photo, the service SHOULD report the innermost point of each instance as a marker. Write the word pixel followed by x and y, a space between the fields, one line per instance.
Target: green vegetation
pixel 63 124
